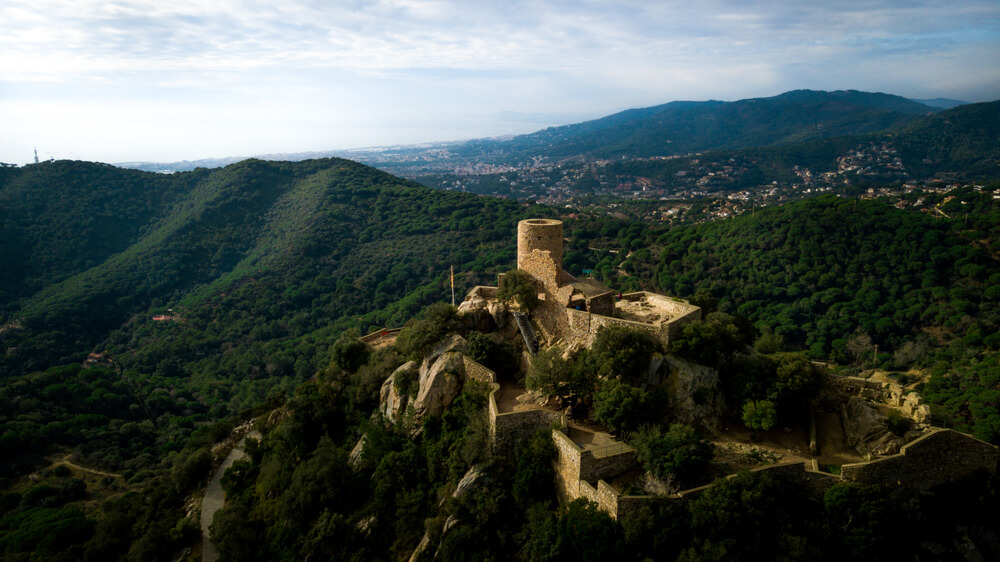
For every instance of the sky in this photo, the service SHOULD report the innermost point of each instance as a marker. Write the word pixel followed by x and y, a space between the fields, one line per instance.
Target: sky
pixel 151 80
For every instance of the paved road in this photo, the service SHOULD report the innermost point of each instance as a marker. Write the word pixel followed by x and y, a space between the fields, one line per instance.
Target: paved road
pixel 213 500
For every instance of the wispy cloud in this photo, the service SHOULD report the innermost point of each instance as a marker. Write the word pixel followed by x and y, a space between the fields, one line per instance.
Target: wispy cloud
pixel 416 61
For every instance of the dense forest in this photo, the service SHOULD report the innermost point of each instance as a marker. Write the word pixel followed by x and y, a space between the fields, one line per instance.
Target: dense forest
pixel 843 278
pixel 210 297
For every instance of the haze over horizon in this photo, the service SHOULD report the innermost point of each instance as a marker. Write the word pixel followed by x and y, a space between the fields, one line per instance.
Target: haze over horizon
pixel 137 80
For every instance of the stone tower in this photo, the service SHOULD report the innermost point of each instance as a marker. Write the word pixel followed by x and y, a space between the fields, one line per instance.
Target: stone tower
pixel 538 236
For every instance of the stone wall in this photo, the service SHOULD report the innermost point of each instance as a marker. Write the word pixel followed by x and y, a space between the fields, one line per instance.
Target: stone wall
pixel 603 495
pixel 676 308
pixel 378 335
pixel 595 467
pixel 567 465
pixel 477 371
pixel 508 428
pixel 583 326
pixel 484 292
pixel 939 456
pixel 576 468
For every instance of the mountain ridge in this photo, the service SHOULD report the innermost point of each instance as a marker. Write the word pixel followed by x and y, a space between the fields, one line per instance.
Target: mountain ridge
pixel 839 112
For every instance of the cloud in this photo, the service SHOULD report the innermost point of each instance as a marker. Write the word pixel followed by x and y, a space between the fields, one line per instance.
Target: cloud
pixel 409 61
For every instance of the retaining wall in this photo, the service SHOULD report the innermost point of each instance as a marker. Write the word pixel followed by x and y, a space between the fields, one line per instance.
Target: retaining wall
pixel 943 455
pixel 940 456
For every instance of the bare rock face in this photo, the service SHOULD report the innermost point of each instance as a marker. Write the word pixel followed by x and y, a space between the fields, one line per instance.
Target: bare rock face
pixel 439 379
pixel 454 342
pixel 354 459
pixel 694 393
pixel 479 320
pixel 499 313
pixel 440 382
pixel 468 481
pixel 421 547
pixel 915 408
pixel 392 402
pixel 866 431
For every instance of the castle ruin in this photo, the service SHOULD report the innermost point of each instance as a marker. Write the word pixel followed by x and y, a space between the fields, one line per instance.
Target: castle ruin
pixel 571 310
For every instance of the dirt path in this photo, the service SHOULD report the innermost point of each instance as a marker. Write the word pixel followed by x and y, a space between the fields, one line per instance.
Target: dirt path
pixel 65 461
pixel 214 498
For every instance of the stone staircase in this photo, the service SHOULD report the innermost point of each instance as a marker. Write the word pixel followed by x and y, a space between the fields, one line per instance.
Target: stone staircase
pixel 527 332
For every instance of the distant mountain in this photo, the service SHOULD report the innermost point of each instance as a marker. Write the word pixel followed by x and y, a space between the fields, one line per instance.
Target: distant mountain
pixel 943 103
pixel 684 127
pixel 960 142
pixel 678 127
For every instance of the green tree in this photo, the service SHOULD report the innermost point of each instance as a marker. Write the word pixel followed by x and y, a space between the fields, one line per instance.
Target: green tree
pixel 710 341
pixel 796 382
pixel 553 374
pixel 587 534
pixel 349 352
pixel 487 350
pixel 518 287
pixel 760 414
pixel 679 454
pixel 622 352
pixel 862 515
pixel 419 336
pixel 619 406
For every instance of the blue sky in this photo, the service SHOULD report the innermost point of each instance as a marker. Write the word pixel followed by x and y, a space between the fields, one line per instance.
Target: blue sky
pixel 163 81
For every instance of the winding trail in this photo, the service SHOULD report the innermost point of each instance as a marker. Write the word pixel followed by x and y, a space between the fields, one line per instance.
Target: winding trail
pixel 66 462
pixel 215 497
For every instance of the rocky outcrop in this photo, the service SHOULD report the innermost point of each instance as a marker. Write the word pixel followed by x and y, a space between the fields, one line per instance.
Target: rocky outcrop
pixel 694 393
pixel 357 453
pixel 440 383
pixel 439 379
pixel 479 320
pixel 499 313
pixel 393 398
pixel 468 481
pixel 865 430
pixel 914 407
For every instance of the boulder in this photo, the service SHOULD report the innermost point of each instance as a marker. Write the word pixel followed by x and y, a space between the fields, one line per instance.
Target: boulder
pixel 392 403
pixel 421 547
pixel 499 313
pixel 440 382
pixel 468 481
pixel 354 459
pixel 694 393
pixel 366 525
pixel 478 320
pixel 914 407
pixel 866 431
pixel 531 397
pixel 454 342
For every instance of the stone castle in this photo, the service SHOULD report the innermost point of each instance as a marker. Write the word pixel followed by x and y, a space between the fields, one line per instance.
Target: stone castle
pixel 571 310
pixel 569 314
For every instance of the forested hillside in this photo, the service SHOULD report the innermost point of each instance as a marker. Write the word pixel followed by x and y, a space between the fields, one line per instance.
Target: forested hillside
pixel 252 271
pixel 840 277
pixel 214 293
